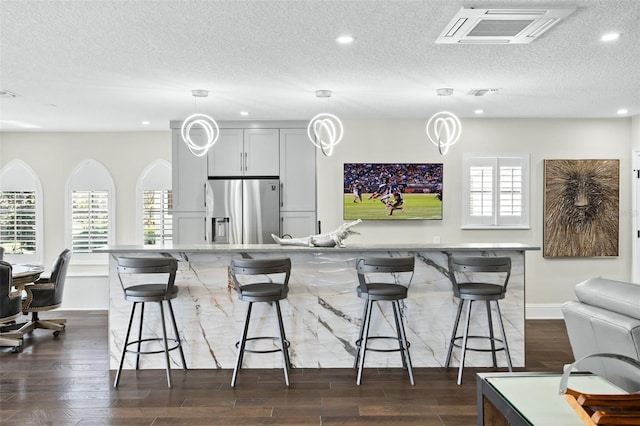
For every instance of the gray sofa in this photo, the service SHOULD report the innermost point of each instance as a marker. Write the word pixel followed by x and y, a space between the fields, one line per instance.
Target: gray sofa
pixel 606 319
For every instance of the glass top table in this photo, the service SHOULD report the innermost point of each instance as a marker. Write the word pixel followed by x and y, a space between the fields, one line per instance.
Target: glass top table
pixel 533 398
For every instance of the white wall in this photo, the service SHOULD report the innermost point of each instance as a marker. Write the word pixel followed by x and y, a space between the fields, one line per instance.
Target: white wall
pixel 53 156
pixel 549 281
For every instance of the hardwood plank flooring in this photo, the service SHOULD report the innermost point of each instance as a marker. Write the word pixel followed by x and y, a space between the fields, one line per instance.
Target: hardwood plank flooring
pixel 66 381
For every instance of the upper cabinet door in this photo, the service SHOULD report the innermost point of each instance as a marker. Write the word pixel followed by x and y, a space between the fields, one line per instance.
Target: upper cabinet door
pixel 249 152
pixel 262 152
pixel 226 157
pixel 189 174
pixel 297 171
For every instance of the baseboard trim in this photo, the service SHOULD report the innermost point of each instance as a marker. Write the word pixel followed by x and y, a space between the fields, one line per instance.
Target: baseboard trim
pixel 543 311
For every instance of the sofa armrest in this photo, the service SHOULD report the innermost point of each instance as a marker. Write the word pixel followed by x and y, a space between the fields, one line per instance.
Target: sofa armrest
pixel 616 296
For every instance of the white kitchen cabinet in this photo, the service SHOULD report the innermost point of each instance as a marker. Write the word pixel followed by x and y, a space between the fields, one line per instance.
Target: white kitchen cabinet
pixel 189 174
pixel 298 183
pixel 245 152
pixel 297 171
pixel 298 224
pixel 189 228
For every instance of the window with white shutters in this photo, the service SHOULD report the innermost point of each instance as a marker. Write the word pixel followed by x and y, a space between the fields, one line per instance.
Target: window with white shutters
pixel 156 216
pixel 89 220
pixel 18 222
pixel 90 212
pixel 21 213
pixel 495 191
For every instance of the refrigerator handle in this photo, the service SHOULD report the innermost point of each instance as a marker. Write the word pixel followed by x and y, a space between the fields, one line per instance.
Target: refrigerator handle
pixel 241 161
pixel 245 162
pixel 205 195
pixel 205 229
pixel 281 194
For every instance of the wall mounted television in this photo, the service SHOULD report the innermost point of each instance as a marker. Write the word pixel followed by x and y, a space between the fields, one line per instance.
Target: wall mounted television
pixel 392 191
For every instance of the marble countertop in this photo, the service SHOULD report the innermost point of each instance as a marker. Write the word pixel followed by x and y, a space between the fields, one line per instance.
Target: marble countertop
pixel 194 248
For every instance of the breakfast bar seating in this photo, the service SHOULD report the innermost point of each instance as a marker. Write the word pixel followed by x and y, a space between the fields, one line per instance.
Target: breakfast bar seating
pixel 322 316
pixel 272 287
pixel 141 293
pixel 378 291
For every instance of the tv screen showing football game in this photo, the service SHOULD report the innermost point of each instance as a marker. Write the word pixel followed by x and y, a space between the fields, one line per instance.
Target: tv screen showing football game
pixel 392 191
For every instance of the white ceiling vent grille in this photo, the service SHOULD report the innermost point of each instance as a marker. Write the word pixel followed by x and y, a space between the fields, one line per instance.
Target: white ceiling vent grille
pixel 482 92
pixel 500 26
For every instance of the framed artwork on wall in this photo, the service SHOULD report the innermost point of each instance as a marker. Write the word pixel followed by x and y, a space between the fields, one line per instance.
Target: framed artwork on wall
pixel 581 208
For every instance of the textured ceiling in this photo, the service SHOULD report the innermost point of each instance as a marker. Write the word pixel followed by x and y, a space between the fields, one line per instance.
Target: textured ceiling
pixel 109 65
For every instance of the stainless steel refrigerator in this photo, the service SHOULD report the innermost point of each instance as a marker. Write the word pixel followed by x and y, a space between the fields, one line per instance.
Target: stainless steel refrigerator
pixel 243 211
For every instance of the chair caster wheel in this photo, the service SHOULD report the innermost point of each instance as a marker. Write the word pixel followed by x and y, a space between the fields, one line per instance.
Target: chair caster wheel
pixel 56 333
pixel 15 350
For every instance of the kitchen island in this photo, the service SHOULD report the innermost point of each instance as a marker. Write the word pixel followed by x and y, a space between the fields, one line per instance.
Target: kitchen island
pixel 322 313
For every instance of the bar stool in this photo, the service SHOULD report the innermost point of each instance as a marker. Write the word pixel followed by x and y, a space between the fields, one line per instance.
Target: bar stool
pixel 376 291
pixel 137 292
pixel 470 291
pixel 271 288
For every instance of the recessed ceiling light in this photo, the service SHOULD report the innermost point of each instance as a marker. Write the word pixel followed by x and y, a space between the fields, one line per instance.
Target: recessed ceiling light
pixel 345 39
pixel 610 37
pixel 478 111
pixel 146 123
pixel 623 111
pixel 244 113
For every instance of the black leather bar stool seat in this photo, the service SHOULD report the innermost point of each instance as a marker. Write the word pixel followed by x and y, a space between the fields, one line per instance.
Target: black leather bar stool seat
pixel 271 287
pixel 469 291
pixel 377 291
pixel 158 292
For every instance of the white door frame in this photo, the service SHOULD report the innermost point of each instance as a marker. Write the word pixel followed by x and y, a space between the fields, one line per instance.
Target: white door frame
pixel 635 246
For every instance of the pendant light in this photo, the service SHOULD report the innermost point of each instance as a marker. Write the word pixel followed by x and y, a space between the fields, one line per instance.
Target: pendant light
pixel 325 130
pixel 208 124
pixel 444 127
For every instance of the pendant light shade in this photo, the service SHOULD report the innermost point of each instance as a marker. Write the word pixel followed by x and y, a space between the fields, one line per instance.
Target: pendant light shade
pixel 444 127
pixel 325 130
pixel 204 122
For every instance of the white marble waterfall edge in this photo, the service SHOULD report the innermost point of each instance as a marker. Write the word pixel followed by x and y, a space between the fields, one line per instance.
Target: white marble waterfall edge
pixel 321 315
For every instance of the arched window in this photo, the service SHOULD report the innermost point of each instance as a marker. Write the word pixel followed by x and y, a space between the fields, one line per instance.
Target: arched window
pixel 90 210
pixel 154 204
pixel 20 213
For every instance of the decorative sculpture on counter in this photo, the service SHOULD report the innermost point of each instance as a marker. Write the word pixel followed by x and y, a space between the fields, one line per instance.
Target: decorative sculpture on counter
pixel 330 239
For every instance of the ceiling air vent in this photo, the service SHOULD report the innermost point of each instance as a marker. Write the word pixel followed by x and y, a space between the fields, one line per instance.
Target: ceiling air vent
pixel 482 92
pixel 500 26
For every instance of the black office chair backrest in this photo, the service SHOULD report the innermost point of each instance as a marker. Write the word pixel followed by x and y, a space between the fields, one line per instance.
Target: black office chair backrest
pixel 261 267
pixel 59 275
pixel 9 306
pixel 390 265
pixel 148 265
pixel 478 264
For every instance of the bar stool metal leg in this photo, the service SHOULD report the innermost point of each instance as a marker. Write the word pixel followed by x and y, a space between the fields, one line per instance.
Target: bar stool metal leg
pixel 359 341
pixel 504 337
pixel 454 333
pixel 243 342
pixel 283 343
pixel 363 343
pixel 492 338
pixel 464 341
pixel 400 343
pixel 139 335
pixel 177 334
pixel 404 344
pixel 166 344
pixel 124 345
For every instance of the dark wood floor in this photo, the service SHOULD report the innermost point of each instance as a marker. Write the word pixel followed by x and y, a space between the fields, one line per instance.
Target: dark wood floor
pixel 66 381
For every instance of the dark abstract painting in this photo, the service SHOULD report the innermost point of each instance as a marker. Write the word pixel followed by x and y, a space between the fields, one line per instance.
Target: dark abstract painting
pixel 581 208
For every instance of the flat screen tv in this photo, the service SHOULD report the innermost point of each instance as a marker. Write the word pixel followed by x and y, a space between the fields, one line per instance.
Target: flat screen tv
pixel 392 191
